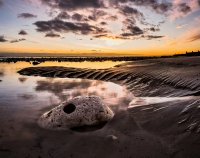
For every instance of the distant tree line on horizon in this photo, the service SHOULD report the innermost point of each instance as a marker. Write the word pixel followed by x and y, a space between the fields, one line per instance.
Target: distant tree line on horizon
pixel 38 60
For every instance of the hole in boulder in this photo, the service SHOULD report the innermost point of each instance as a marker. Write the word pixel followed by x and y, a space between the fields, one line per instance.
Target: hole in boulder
pixel 69 108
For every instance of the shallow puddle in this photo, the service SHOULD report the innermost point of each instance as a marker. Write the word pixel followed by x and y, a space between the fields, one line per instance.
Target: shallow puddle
pixel 26 91
pixel 23 99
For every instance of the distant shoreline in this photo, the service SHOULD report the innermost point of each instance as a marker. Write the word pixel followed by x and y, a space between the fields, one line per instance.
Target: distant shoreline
pixel 37 60
pixel 70 59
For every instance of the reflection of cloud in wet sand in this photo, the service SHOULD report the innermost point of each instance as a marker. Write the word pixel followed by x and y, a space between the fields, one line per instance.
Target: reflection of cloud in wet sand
pixel 1 74
pixel 22 79
pixel 27 96
pixel 111 93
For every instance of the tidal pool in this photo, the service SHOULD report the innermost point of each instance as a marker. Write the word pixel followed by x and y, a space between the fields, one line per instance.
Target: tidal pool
pixel 18 91
pixel 23 99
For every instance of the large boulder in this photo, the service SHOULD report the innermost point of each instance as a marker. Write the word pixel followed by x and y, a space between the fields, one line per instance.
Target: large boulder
pixel 77 112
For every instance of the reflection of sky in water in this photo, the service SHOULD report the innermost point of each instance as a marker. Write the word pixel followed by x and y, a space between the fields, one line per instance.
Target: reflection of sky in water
pixel 86 64
pixel 23 99
pixel 112 94
pixel 36 93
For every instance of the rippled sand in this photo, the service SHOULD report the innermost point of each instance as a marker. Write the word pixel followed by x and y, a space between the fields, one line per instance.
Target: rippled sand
pixel 161 119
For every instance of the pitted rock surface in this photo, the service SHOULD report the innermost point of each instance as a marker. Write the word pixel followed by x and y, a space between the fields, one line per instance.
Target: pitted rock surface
pixel 77 112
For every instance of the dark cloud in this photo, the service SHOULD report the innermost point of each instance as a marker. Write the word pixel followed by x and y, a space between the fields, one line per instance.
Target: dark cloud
pixel 129 21
pixel 184 8
pixel 101 35
pixel 51 34
pixel 131 36
pixel 63 15
pixel 134 31
pixel 17 40
pixel 153 29
pixel 63 26
pixel 91 17
pixel 23 32
pixel 77 17
pixel 198 2
pixel 162 7
pixel 150 37
pixel 74 4
pixel 26 15
pixel 2 39
pixel 131 11
pixel 131 16
pixel 97 14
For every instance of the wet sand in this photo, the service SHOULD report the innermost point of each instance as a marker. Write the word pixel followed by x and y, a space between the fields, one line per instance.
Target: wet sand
pixel 159 130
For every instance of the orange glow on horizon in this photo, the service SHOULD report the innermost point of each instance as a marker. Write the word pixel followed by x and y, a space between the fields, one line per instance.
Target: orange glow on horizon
pixel 145 52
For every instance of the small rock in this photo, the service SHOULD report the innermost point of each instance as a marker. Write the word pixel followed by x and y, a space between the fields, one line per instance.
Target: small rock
pixel 77 112
pixel 35 63
pixel 113 137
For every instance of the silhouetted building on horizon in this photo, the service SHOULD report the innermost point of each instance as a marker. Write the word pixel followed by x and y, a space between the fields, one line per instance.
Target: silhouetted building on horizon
pixel 189 54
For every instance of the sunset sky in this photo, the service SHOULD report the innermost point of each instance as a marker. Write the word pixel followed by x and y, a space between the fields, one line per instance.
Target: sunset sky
pixel 81 27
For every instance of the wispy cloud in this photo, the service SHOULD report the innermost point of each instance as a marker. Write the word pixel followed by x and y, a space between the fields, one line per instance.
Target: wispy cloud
pixel 17 40
pixel 191 35
pixel 181 26
pixel 26 15
pixel 52 35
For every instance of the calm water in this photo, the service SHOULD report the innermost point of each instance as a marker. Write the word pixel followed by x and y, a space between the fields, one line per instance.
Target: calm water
pixel 35 92
pixel 24 99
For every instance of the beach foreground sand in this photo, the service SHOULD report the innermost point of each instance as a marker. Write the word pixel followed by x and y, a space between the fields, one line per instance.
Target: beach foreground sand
pixel 168 129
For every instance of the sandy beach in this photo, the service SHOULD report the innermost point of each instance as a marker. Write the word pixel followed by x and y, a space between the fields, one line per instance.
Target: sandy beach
pixel 165 128
pixel 99 79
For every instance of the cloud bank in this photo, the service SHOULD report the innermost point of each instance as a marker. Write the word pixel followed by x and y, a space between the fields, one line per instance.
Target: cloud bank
pixel 95 17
